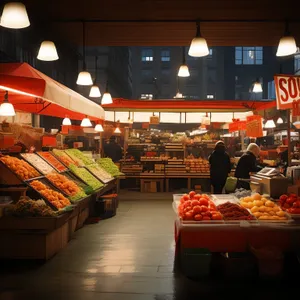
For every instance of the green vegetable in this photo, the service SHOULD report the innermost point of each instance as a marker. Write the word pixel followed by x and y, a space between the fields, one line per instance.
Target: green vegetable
pixel 87 177
pixel 77 155
pixel 108 165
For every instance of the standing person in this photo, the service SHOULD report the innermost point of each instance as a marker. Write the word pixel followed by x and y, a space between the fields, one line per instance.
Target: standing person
pixel 220 167
pixel 113 150
pixel 246 165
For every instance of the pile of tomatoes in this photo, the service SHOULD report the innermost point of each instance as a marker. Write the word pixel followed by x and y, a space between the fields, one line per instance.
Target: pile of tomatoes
pixel 196 207
pixel 290 203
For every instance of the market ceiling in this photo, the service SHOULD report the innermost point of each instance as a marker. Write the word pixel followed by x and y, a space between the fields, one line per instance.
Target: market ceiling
pixel 168 23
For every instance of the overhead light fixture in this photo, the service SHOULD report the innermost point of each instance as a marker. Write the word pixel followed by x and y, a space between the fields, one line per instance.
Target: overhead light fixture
pixel 178 95
pixel 287 44
pixel 6 108
pixel 117 130
pixel 106 98
pixel 66 121
pixel 297 124
pixel 279 121
pixel 129 120
pixel 14 16
pixel 86 122
pixel 257 87
pixel 184 69
pixel 47 51
pixel 99 128
pixel 270 124
pixel 198 47
pixel 84 77
pixel 95 91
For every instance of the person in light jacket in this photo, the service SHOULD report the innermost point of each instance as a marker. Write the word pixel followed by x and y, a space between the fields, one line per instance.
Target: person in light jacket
pixel 246 165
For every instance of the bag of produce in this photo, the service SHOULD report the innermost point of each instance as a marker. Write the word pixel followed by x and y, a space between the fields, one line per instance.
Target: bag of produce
pixel 230 184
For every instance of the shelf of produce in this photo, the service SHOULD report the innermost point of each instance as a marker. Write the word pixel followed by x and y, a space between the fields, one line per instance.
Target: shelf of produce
pixel 38 163
pixel 53 161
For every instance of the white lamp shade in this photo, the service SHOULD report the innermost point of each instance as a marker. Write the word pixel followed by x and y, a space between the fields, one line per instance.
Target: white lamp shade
pixel 66 121
pixel 106 98
pixel 270 124
pixel 279 121
pixel 287 46
pixel 84 78
pixel 257 88
pixel 86 122
pixel 7 110
pixel 47 51
pixel 178 95
pixel 198 47
pixel 99 128
pixel 14 16
pixel 183 71
pixel 117 130
pixel 95 92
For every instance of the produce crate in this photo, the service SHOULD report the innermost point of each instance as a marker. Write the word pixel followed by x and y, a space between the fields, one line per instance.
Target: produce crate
pixel 237 265
pixel 196 262
pixel 106 206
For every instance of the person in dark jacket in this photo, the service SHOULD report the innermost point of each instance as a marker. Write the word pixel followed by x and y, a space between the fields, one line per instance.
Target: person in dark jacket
pixel 246 165
pixel 220 167
pixel 113 150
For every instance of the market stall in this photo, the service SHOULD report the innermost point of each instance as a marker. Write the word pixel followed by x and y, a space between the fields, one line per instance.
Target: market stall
pixel 61 189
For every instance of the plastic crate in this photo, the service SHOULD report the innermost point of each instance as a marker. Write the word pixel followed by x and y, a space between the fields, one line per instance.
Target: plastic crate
pixel 196 262
pixel 237 265
pixel 106 207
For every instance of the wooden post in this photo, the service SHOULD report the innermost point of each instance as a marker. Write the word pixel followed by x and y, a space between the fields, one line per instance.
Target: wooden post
pixel 288 111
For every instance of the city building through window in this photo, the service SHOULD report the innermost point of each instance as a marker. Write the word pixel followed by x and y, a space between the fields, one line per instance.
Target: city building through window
pixel 248 55
pixel 147 96
pixel 165 55
pixel 147 55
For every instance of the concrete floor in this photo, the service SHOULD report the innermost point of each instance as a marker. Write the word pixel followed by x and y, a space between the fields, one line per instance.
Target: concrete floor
pixel 128 257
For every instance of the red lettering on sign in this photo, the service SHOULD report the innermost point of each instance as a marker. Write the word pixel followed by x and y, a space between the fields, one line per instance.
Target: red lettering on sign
pixel 282 82
pixel 298 82
pixel 292 86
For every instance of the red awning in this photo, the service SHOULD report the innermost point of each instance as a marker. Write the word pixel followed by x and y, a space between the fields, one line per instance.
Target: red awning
pixel 188 106
pixel 31 91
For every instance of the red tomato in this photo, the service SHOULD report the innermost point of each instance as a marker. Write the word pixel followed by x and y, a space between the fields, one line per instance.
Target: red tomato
pixel 216 216
pixel 203 201
pixel 204 208
pixel 286 206
pixel 206 218
pixel 206 213
pixel 293 195
pixel 189 215
pixel 197 217
pixel 205 196
pixel 290 200
pixel 196 209
pixel 192 194
pixel 197 197
pixel 189 208
pixel 195 202
pixel 186 197
pixel 182 200
pixel 187 203
pixel 283 198
pixel 296 204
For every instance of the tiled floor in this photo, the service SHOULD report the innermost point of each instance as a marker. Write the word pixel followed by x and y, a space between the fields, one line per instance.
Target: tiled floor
pixel 130 256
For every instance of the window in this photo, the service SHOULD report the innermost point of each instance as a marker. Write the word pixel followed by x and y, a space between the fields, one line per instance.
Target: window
pixel 297 63
pixel 271 90
pixel 210 52
pixel 210 96
pixel 165 55
pixel 147 55
pixel 248 55
pixel 147 96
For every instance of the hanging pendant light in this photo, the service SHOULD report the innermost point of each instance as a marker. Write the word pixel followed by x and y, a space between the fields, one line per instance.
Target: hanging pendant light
pixel 99 128
pixel 66 121
pixel 129 120
pixel 95 91
pixel 6 108
pixel 178 95
pixel 198 47
pixel 270 124
pixel 257 87
pixel 117 130
pixel 287 44
pixel 84 77
pixel 184 69
pixel 279 121
pixel 86 122
pixel 106 98
pixel 14 16
pixel 47 51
